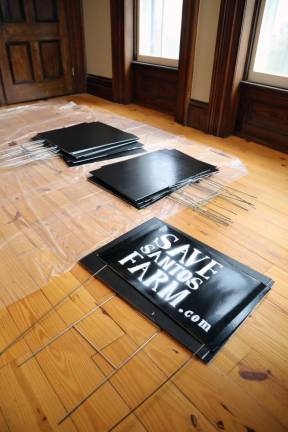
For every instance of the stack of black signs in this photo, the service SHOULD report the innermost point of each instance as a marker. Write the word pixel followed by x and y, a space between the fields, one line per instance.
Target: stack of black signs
pixel 197 294
pixel 89 142
pixel 147 178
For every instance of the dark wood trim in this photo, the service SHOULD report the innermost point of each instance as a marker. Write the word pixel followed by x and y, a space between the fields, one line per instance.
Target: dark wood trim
pixel 186 58
pixel 265 89
pixel 263 115
pixel 230 55
pixel 253 28
pixel 153 66
pixel 155 86
pixel 197 115
pixel 2 95
pixel 99 86
pixel 122 28
pixel 135 23
pixel 74 16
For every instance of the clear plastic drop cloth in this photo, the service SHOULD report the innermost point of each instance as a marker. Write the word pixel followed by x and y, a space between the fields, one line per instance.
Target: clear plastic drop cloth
pixel 51 216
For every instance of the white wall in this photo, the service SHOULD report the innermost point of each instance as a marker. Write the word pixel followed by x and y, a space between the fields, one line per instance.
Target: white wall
pixel 205 47
pixel 97 30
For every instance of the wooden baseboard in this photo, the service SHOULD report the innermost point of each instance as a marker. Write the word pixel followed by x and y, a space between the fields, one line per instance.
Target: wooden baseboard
pixel 262 115
pixel 155 86
pixel 198 115
pixel 100 86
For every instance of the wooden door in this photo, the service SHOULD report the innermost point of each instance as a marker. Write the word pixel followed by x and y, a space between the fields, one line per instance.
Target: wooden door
pixel 34 49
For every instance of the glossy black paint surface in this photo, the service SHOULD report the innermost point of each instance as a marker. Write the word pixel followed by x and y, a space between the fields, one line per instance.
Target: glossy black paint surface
pixel 223 300
pixel 128 150
pixel 147 178
pixel 81 138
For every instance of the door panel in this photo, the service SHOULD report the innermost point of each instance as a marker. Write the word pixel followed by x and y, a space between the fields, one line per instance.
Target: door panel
pixel 45 11
pixel 20 62
pixel 34 50
pixel 51 62
pixel 2 99
pixel 12 11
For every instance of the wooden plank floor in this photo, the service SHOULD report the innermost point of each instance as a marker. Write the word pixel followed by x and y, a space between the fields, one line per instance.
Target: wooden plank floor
pixel 54 378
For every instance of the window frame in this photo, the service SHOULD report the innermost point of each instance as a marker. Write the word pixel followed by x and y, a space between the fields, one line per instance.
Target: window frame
pixel 162 61
pixel 260 77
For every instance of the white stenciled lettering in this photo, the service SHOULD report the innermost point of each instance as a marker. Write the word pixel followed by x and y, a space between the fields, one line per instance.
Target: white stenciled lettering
pixel 209 267
pixel 161 242
pixel 140 268
pixel 131 258
pixel 193 317
pixel 180 250
pixel 193 258
pixel 175 269
pixel 147 249
pixel 155 255
pixel 204 325
pixel 154 280
pixel 164 242
pixel 194 283
pixel 168 294
pixel 188 313
pixel 166 263
pixel 184 275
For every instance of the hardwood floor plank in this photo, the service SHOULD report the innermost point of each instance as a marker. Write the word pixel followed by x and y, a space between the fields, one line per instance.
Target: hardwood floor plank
pixel 29 403
pixel 120 350
pixel 28 311
pixel 137 379
pixel 99 329
pixel 168 411
pixel 231 354
pixel 3 424
pixel 281 277
pixel 130 423
pixel 133 323
pixel 266 332
pixel 8 333
pixel 167 353
pixel 222 401
pixel 69 369
pixel 244 389
pixel 101 411
pixel 266 383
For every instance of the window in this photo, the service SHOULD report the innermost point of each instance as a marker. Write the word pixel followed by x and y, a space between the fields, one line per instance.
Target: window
pixel 269 61
pixel 159 28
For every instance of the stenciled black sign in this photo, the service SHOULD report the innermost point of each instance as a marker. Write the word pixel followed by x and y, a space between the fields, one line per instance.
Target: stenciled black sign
pixel 151 176
pixel 203 293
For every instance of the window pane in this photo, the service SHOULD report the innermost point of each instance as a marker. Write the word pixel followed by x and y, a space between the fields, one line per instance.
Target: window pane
pixel 159 27
pixel 272 49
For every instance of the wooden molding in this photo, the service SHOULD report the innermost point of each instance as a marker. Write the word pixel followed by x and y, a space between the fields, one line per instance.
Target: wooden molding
pixel 2 96
pixel 122 28
pixel 253 29
pixel 197 115
pixel 99 86
pixel 137 63
pixel 229 62
pixel 74 14
pixel 155 86
pixel 263 115
pixel 186 58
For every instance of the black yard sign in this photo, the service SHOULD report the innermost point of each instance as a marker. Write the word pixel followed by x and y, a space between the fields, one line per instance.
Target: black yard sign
pixel 195 293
